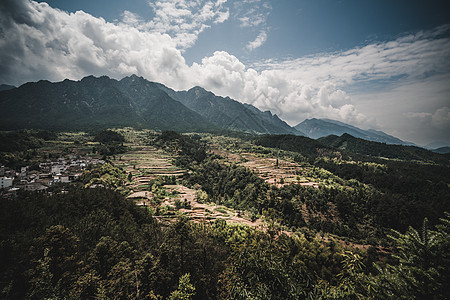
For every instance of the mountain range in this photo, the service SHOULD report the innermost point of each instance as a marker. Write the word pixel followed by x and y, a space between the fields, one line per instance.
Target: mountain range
pixel 94 103
pixel 317 128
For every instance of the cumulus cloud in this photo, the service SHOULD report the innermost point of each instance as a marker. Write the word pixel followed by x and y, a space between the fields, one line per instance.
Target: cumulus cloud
pixel 40 42
pixel 379 79
pixel 291 99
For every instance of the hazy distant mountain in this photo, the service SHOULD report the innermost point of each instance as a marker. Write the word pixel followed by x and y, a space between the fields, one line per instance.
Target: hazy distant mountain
pixel 231 114
pixel 96 103
pixel 317 128
pixel 436 145
pixel 442 150
pixel 5 87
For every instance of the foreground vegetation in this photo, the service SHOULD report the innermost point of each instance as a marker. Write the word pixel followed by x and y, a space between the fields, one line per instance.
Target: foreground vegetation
pixel 348 238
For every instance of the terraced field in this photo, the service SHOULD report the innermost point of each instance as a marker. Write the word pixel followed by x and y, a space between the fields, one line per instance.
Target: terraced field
pixel 201 212
pixel 266 167
pixel 146 163
pixel 275 171
pixel 149 161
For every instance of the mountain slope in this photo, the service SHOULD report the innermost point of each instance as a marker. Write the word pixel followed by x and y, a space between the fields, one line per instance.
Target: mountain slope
pixel 5 87
pixel 93 103
pixel 317 128
pixel 231 114
pixel 351 144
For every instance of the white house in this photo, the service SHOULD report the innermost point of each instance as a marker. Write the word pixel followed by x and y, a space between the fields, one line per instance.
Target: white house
pixel 5 182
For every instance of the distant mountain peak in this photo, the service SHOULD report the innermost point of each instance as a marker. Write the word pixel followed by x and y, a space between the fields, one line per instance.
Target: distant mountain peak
pixel 97 80
pixel 195 88
pixel 317 128
pixel 200 92
pixel 134 77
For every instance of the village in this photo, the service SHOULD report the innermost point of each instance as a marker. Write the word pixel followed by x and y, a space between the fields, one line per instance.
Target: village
pixel 61 170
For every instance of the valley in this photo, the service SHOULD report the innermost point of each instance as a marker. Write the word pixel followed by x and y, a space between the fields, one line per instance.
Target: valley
pixel 218 205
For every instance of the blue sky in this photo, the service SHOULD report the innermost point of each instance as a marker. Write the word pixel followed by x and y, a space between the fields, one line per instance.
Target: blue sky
pixel 296 28
pixel 373 64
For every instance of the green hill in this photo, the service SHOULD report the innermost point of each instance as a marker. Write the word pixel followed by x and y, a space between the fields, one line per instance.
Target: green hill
pixel 351 144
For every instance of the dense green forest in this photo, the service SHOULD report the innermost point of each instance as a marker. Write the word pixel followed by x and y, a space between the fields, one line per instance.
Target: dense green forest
pixel 375 228
pixel 94 243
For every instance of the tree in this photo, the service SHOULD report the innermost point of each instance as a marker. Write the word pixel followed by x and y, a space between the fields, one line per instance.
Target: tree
pixel 423 264
pixel 57 263
pixel 185 289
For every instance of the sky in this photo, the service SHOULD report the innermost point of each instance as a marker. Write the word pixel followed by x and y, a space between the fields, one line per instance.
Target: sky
pixel 373 64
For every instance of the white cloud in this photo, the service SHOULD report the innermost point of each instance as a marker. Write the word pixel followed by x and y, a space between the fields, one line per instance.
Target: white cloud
pixel 131 19
pixel 439 119
pixel 413 56
pixel 185 20
pixel 258 42
pixel 291 99
pixel 252 13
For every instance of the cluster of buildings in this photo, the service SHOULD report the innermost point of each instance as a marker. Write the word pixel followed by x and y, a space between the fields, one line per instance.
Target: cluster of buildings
pixel 50 172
